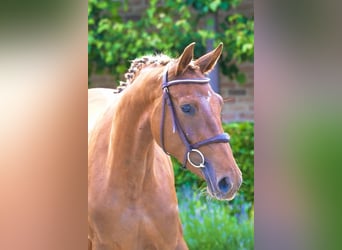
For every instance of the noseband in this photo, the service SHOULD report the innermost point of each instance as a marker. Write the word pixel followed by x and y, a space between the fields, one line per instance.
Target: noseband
pixel 191 149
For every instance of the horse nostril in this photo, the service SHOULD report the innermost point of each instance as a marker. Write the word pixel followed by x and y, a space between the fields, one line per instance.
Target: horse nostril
pixel 224 185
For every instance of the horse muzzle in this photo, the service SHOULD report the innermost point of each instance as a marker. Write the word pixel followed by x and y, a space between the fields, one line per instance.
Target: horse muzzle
pixel 223 188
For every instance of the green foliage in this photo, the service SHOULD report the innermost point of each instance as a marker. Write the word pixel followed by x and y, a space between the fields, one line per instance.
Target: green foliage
pixel 209 224
pixel 239 29
pixel 242 144
pixel 114 40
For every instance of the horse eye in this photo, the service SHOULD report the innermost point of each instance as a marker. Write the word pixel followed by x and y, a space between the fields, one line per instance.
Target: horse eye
pixel 188 109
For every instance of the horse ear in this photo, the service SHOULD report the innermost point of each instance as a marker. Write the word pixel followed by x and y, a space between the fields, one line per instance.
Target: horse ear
pixel 208 61
pixel 185 59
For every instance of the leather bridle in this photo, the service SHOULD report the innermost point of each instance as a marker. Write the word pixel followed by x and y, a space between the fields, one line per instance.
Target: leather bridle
pixel 191 148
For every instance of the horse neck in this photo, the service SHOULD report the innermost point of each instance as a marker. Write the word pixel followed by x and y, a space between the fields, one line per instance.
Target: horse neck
pixel 132 147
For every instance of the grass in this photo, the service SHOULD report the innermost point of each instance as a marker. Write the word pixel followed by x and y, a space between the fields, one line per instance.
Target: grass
pixel 215 225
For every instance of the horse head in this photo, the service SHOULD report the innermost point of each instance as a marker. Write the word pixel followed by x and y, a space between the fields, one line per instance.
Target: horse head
pixel 187 124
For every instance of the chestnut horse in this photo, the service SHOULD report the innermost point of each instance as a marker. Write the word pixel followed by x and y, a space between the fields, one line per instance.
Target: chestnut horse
pixel 165 107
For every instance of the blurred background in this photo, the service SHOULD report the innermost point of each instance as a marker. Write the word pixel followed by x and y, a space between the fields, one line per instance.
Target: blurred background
pixel 120 31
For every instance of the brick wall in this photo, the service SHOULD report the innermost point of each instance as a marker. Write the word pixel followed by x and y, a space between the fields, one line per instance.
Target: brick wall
pixel 240 104
pixel 102 81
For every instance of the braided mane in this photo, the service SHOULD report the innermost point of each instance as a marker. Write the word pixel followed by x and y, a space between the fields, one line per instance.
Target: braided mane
pixel 136 66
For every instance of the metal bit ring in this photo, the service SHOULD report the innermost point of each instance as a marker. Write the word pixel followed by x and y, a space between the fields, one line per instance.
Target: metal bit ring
pixel 201 165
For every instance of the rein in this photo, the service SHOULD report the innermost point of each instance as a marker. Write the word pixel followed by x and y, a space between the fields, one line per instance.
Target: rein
pixel 190 148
